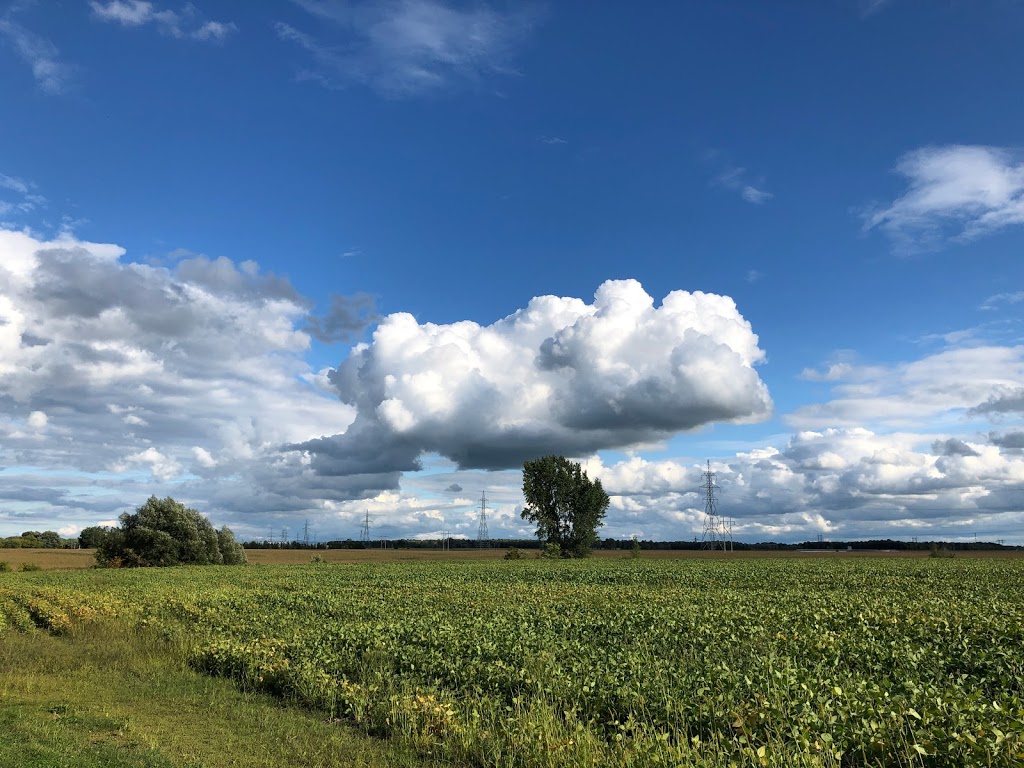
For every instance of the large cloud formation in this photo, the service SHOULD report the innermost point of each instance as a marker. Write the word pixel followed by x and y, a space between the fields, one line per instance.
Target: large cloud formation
pixel 127 377
pixel 842 483
pixel 120 379
pixel 560 376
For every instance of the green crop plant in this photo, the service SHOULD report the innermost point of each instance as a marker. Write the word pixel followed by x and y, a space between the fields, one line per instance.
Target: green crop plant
pixel 761 662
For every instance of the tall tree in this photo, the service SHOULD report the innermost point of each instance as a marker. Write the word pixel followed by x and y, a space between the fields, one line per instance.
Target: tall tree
pixel 566 505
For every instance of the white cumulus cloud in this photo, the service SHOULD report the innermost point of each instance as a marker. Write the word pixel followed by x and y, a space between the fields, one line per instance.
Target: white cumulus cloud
pixel 158 375
pixel 560 376
pixel 851 483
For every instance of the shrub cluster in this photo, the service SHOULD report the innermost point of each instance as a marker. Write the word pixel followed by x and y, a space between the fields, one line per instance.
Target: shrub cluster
pixel 165 532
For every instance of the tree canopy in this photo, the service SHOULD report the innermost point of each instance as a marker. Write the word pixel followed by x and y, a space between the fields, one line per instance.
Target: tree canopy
pixel 34 540
pixel 566 505
pixel 93 536
pixel 165 532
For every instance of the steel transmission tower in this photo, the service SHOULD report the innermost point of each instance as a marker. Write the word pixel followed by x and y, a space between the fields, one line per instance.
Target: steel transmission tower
pixel 482 536
pixel 364 534
pixel 717 530
pixel 712 537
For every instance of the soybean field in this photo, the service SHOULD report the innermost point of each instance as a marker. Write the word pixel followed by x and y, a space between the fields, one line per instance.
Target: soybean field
pixel 760 662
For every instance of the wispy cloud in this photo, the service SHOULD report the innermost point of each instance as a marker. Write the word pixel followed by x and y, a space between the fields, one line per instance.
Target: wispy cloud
pixel 13 184
pixel 738 180
pixel 185 23
pixel 51 74
pixel 406 47
pixel 214 31
pixel 869 7
pixel 553 140
pixel 18 196
pixel 922 394
pixel 955 192
pixel 994 302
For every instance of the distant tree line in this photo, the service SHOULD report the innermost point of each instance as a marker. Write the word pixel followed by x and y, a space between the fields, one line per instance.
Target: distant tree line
pixel 775 546
pixel 394 544
pixel 263 544
pixel 645 545
pixel 37 540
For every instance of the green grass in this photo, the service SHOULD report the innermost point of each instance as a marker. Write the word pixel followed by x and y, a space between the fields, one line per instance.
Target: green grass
pixel 95 698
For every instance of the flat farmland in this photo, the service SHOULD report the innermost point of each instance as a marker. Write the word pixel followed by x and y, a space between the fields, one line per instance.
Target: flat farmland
pixel 70 559
pixel 822 661
pixel 49 559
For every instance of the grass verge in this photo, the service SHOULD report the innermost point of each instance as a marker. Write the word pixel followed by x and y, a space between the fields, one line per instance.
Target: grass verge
pixel 97 699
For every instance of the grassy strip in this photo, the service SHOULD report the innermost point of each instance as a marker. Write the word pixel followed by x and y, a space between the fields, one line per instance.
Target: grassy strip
pixel 95 698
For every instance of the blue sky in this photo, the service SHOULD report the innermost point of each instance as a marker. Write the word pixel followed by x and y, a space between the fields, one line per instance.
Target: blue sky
pixel 283 181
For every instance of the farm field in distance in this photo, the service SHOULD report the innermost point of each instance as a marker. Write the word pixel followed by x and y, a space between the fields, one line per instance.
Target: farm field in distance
pixel 829 661
pixel 70 559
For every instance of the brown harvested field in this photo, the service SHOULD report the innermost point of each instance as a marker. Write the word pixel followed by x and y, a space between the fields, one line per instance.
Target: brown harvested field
pixel 299 556
pixel 50 559
pixel 64 559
